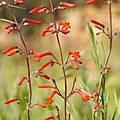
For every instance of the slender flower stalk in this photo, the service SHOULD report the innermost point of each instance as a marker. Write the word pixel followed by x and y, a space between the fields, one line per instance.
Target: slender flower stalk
pixel 62 61
pixel 27 62
pixel 108 54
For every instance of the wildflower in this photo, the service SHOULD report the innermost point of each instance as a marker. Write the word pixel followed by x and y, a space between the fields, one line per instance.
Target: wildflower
pixel 13 53
pixel 97 23
pixel 48 29
pixel 9 49
pixel 40 105
pixel 96 105
pixel 74 54
pixel 44 75
pixel 49 100
pixel 11 27
pixel 18 2
pixel 64 27
pixel 73 64
pixel 21 81
pixel 98 27
pixel 61 8
pixel 38 56
pixel 78 61
pixel 41 10
pixel 32 21
pixel 45 65
pixel 8 26
pixel 90 2
pixel 10 101
pixel 36 9
pixel 66 4
pixel 49 118
pixel 45 86
pixel 84 94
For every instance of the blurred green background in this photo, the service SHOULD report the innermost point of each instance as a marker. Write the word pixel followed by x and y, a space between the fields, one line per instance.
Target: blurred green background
pixel 13 68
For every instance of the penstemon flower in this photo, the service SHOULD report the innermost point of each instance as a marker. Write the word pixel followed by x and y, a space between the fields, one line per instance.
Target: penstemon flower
pixel 49 118
pixel 11 101
pixel 90 2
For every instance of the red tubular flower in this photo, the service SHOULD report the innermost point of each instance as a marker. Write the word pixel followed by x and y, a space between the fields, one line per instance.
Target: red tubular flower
pixel 98 27
pixel 97 23
pixel 38 56
pixel 74 54
pixel 45 65
pixel 18 2
pixel 21 81
pixel 10 101
pixel 13 53
pixel 41 11
pixel 33 21
pixel 45 86
pixel 49 100
pixel 90 2
pixel 49 118
pixel 96 105
pixel 73 64
pixel 61 8
pixel 9 49
pixel 84 94
pixel 45 54
pixel 64 26
pixel 67 4
pixel 78 61
pixel 41 105
pixel 36 9
pixel 48 29
pixel 8 26
pixel 44 75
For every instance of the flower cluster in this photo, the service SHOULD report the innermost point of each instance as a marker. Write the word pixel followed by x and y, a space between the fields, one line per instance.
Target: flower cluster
pixel 74 58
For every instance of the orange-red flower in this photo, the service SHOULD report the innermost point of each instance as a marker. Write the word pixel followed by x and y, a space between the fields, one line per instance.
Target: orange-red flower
pixel 74 54
pixel 45 86
pixel 44 75
pixel 21 81
pixel 9 49
pixel 49 118
pixel 18 2
pixel 51 63
pixel 36 9
pixel 90 2
pixel 84 94
pixel 97 23
pixel 66 4
pixel 73 64
pixel 49 100
pixel 64 27
pixel 38 56
pixel 41 105
pixel 10 101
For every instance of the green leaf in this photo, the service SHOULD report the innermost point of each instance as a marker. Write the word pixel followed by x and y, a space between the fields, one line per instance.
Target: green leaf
pixel 114 114
pixel 94 46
